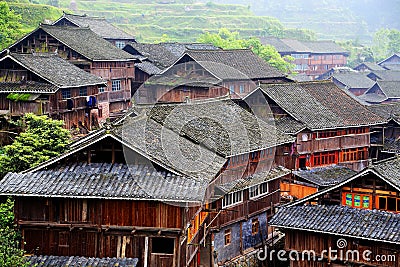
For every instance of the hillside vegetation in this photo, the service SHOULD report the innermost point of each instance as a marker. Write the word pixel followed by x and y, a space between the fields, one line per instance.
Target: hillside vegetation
pixel 180 20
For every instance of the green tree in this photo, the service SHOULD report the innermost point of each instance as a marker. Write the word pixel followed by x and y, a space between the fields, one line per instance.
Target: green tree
pixel 10 25
pixel 41 139
pixel 386 42
pixel 10 253
pixel 231 40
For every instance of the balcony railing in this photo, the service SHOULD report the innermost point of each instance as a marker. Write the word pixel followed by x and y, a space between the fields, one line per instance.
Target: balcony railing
pixel 333 143
pixel 114 96
pixel 77 103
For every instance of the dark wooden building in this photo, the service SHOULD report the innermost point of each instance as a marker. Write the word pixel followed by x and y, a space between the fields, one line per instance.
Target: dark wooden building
pixel 152 186
pixel 318 235
pixel 95 55
pixel 311 57
pixel 330 126
pixel 202 74
pixel 44 83
pixel 99 26
pixel 358 214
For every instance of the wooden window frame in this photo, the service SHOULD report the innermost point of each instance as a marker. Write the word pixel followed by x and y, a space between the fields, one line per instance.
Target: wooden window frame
pixel 232 199
pixel 116 85
pixel 227 237
pixel 255 226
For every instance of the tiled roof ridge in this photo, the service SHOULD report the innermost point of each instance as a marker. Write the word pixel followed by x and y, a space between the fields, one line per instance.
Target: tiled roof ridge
pixel 83 28
pixel 65 14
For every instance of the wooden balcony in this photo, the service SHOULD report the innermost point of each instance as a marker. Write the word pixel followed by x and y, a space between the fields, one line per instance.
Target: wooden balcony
pixel 114 96
pixel 333 143
pixel 79 102
pixel 20 108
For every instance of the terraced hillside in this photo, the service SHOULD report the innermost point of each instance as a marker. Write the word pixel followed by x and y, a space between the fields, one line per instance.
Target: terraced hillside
pixel 179 20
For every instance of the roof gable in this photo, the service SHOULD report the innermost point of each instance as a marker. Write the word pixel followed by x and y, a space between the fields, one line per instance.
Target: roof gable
pixel 98 25
pixel 94 47
pixel 320 105
pixel 342 221
pixel 53 69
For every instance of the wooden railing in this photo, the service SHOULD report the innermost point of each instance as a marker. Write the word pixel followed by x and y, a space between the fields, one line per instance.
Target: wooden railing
pixel 114 96
pixel 20 108
pixel 333 143
pixel 77 103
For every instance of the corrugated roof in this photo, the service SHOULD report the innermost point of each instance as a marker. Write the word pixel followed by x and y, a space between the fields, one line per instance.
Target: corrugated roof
pixel 98 25
pixel 87 43
pixel 320 105
pixel 55 70
pixel 343 221
pixel 76 261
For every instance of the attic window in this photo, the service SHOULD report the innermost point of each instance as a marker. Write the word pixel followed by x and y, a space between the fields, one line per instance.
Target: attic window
pixel 66 93
pixel 120 44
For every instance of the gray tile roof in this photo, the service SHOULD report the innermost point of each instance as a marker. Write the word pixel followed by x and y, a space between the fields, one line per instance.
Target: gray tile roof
pixel 168 148
pixel 289 125
pixel 286 45
pixel 93 47
pixel 255 179
pixel 354 79
pixel 98 25
pixel 369 65
pixel 27 87
pixel 326 176
pixel 243 60
pixel 76 261
pixel 389 169
pixel 343 221
pixel 390 88
pixel 164 55
pixel 386 75
pixel 148 67
pixel 320 105
pixel 372 98
pixel 220 125
pixel 104 181
pixel 387 111
pixel 55 70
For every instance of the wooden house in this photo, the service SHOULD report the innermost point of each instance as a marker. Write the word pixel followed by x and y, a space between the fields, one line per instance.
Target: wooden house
pixel 157 57
pixel 330 126
pixel 38 83
pixel 391 63
pixel 145 187
pixel 382 92
pixel 57 261
pixel 202 74
pixel 318 235
pixel 368 67
pixel 356 83
pixel 385 138
pixel 96 55
pixel 311 57
pixel 362 210
pixel 99 26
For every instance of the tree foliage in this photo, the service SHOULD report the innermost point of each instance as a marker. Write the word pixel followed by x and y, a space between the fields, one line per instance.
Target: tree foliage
pixel 10 254
pixel 41 139
pixel 231 40
pixel 386 42
pixel 10 25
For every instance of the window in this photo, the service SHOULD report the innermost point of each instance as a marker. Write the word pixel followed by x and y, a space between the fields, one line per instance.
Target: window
pixel 116 85
pixel 66 93
pixel 354 154
pixel 258 190
pixel 255 225
pixel 232 89
pixel 241 88
pixel 120 44
pixel 357 200
pixel 324 158
pixel 316 57
pixel 227 237
pixel 83 91
pixel 162 245
pixel 232 199
pixel 102 89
